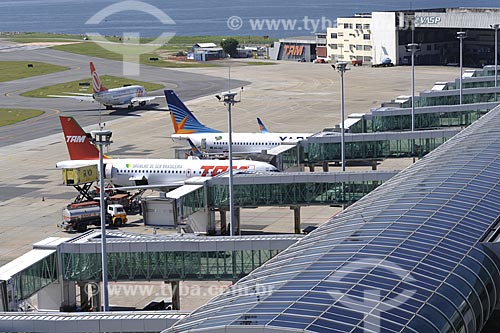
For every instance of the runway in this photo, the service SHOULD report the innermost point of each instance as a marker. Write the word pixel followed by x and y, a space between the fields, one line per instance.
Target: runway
pixel 187 85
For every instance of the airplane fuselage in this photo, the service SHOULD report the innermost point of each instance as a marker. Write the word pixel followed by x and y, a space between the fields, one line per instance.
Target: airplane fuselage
pixel 243 143
pixel 164 172
pixel 120 96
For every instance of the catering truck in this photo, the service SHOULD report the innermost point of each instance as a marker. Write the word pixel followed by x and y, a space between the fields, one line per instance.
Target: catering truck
pixel 78 216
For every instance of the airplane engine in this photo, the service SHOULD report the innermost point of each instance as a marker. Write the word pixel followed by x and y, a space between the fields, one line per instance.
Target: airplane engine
pixel 109 171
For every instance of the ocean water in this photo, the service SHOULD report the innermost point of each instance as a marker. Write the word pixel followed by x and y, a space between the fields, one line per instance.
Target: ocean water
pixel 197 17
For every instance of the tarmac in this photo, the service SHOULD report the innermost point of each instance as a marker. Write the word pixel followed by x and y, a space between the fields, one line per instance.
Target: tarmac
pixel 288 97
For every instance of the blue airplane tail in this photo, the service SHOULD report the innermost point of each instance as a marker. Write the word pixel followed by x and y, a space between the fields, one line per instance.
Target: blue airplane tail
pixel 194 150
pixel 183 120
pixel 262 127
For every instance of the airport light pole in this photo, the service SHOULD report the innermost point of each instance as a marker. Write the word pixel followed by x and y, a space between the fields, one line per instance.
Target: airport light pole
pixel 496 27
pixel 413 47
pixel 341 68
pixel 103 138
pixel 228 100
pixel 461 35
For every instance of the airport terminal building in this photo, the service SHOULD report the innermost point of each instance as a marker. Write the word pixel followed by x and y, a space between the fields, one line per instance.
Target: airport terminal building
pixel 373 37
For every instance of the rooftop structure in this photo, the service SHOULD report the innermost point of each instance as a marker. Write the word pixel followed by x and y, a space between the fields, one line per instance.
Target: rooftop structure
pixel 408 257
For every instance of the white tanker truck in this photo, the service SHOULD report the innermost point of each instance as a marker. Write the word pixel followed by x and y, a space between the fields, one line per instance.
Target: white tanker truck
pixel 77 217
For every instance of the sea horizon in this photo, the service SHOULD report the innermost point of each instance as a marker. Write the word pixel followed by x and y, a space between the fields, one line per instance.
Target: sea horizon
pixel 194 17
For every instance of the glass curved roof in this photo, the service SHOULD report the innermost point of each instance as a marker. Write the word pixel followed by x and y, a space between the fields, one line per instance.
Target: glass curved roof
pixel 407 257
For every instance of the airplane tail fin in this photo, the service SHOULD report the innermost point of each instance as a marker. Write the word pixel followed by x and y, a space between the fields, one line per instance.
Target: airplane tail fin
pixel 96 81
pixel 183 120
pixel 77 141
pixel 194 150
pixel 262 127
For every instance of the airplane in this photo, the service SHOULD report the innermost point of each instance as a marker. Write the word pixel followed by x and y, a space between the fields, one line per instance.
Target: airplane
pixel 144 173
pixel 215 142
pixel 130 95
pixel 263 128
pixel 194 151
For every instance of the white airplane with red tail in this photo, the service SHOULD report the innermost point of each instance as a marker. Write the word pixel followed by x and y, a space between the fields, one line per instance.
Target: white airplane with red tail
pixel 130 95
pixel 144 173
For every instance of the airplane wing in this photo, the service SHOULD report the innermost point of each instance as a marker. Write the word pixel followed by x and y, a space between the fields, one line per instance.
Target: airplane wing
pixel 79 98
pixel 145 99
pixel 78 94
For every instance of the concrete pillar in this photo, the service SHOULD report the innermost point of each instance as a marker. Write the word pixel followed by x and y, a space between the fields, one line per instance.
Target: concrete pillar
pixel 51 297
pixel 296 219
pixel 223 222
pixel 237 224
pixel 84 296
pixel 211 228
pixel 325 166
pixel 176 295
pixel 68 297
pixel 95 294
pixel 374 165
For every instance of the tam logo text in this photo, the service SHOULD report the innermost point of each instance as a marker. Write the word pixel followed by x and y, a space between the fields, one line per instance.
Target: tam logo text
pixel 75 138
pixel 294 50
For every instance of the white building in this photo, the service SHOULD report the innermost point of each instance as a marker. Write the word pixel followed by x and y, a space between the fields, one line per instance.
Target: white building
pixel 351 40
pixel 373 37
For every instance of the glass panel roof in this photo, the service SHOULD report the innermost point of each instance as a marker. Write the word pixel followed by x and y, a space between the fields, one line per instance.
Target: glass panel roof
pixel 388 253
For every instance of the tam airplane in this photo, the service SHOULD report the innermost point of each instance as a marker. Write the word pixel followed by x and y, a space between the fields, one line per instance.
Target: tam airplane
pixel 144 173
pixel 129 95
pixel 212 141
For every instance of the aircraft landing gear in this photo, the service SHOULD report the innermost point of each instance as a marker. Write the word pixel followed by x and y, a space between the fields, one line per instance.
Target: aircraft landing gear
pixel 109 107
pixel 131 106
pixel 142 103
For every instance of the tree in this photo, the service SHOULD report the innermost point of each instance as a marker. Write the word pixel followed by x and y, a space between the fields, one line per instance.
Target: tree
pixel 229 46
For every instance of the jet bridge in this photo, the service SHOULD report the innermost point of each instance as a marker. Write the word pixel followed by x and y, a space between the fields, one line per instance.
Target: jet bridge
pixel 196 202
pixel 54 322
pixel 28 274
pixel 133 257
pixel 56 265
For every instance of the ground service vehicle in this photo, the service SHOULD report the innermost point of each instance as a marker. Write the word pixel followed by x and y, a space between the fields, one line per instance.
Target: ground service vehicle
pixel 356 62
pixel 77 217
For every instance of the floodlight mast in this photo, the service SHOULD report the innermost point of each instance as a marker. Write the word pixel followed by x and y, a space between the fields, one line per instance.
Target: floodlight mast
pixel 496 27
pixel 341 68
pixel 228 99
pixel 461 35
pixel 103 138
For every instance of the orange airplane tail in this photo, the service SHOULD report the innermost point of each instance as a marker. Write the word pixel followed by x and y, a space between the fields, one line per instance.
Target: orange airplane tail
pixel 77 141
